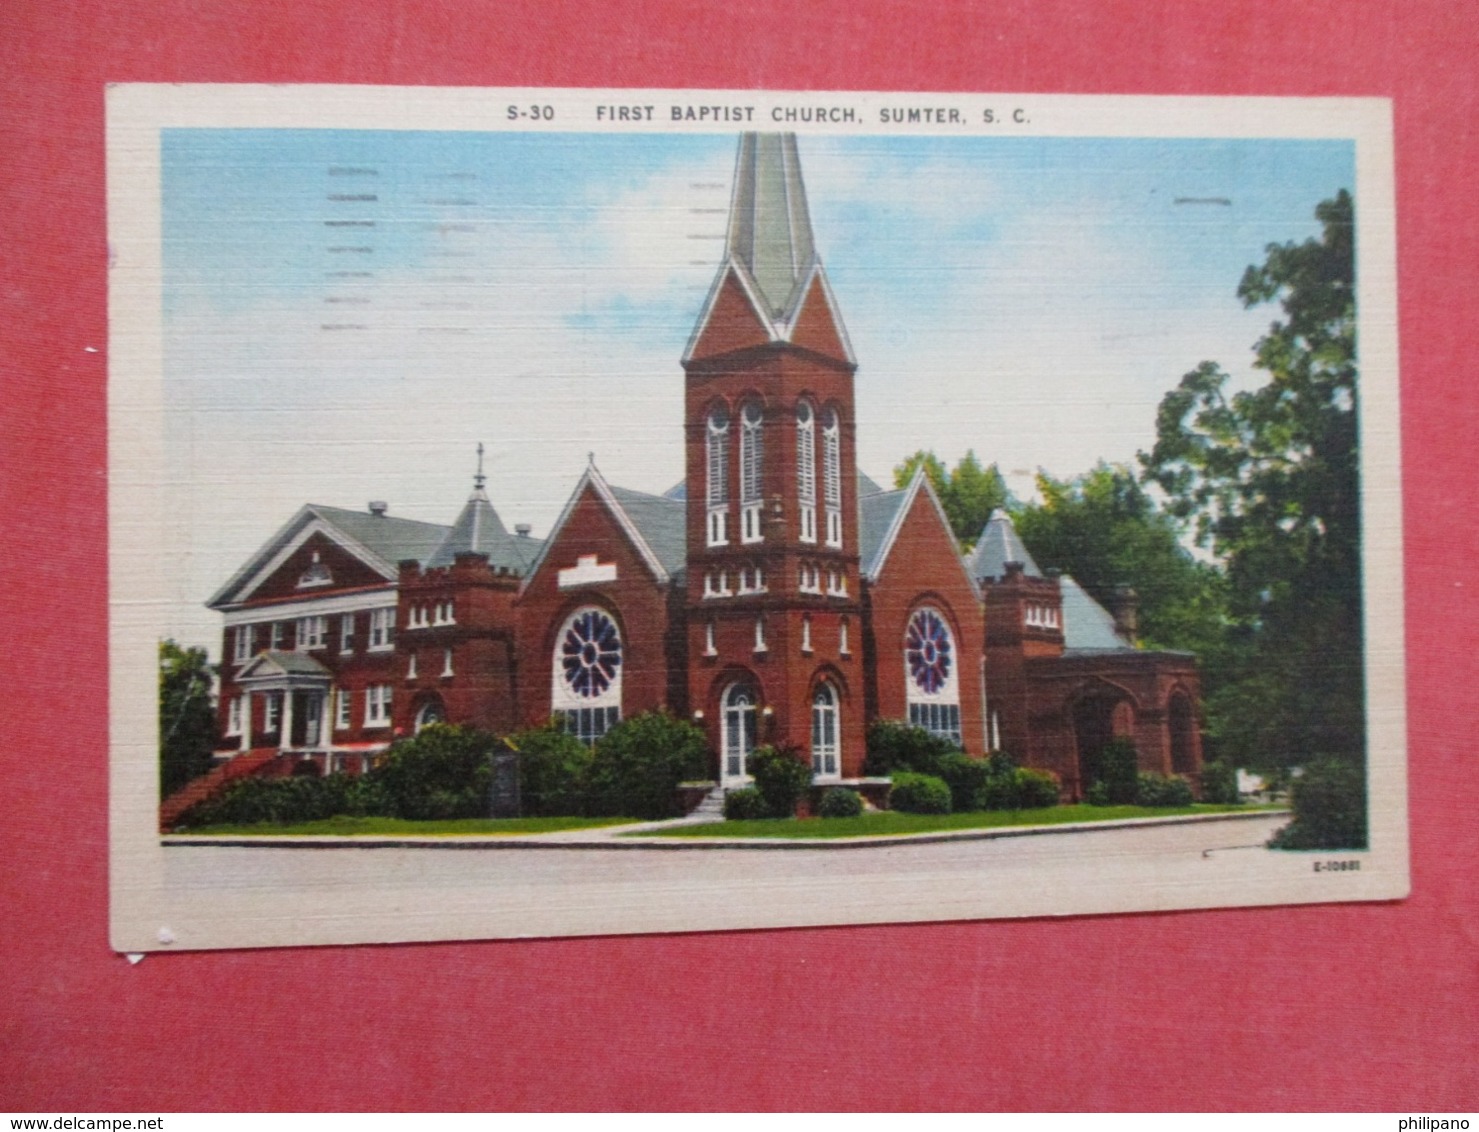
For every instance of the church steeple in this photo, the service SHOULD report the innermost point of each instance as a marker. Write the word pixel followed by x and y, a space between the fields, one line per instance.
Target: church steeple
pixel 769 224
pixel 770 288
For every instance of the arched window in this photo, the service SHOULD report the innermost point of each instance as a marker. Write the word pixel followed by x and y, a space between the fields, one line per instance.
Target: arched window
pixel 826 758
pixel 430 712
pixel 806 470
pixel 931 674
pixel 738 707
pixel 832 475
pixel 752 469
pixel 718 467
pixel 586 687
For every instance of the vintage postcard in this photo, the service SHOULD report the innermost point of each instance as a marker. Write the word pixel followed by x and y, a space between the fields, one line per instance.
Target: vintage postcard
pixel 554 512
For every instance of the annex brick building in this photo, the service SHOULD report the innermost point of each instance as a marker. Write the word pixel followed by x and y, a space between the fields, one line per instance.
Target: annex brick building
pixel 776 595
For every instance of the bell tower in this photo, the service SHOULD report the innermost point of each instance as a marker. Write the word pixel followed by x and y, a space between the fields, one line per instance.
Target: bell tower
pixel 772 587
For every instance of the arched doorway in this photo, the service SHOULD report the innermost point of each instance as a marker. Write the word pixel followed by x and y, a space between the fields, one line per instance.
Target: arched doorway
pixel 738 706
pixel 1097 718
pixel 1182 724
pixel 826 750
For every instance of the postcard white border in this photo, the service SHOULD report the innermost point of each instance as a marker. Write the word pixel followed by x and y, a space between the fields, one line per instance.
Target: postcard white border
pixel 152 908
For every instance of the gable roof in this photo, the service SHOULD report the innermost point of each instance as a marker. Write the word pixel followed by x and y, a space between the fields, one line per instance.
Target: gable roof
pixel 655 525
pixel 380 541
pixel 882 516
pixel 276 662
pixel 999 544
pixel 479 530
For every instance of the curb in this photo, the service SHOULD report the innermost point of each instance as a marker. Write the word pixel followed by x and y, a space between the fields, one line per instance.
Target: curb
pixel 676 844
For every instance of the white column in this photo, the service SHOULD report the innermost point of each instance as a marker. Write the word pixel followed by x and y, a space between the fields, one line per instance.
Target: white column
pixel 246 721
pixel 285 723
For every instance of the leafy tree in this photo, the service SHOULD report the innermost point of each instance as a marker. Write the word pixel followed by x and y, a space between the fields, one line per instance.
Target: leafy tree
pixel 1269 480
pixel 443 772
pixel 968 493
pixel 1105 530
pixel 187 716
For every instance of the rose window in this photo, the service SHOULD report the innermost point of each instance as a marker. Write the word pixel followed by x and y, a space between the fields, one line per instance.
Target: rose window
pixel 590 653
pixel 927 651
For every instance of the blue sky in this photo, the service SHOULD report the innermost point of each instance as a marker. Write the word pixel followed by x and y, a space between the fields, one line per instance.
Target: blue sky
pixel 1029 298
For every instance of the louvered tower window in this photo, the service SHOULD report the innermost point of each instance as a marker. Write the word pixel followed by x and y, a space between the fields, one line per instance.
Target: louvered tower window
pixel 718 461
pixel 752 463
pixel 806 471
pixel 832 475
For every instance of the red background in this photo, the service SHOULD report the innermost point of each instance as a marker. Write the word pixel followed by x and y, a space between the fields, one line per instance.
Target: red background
pixel 1352 1007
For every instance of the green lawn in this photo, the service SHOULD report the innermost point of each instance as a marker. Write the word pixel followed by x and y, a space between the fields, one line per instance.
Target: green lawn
pixel 892 822
pixel 399 827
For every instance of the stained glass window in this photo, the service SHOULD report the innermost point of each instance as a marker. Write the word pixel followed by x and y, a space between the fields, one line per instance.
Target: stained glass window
pixel 928 651
pixel 590 653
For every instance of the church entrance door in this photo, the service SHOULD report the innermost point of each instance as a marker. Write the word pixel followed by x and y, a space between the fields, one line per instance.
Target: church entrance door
pixel 738 734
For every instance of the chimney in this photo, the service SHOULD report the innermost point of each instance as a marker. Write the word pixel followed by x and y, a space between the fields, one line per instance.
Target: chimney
pixel 523 530
pixel 1124 607
pixel 378 507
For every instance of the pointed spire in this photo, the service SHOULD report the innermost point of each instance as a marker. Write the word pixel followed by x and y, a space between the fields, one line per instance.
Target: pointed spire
pixel 770 287
pixel 479 480
pixel 999 544
pixel 769 223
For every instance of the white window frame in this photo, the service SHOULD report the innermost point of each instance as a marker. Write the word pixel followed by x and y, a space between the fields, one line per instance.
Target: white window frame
pixel 274 636
pixel 378 702
pixel 806 471
pixel 343 705
pixel 832 475
pixel 709 649
pixel 346 633
pixel 717 463
pixel 446 663
pixel 233 718
pixel 242 644
pixel 752 472
pixel 271 712
pixel 806 633
pixel 311 633
pixel 411 666
pixel 382 629
pixel 842 643
pixel 760 645
pixel 826 750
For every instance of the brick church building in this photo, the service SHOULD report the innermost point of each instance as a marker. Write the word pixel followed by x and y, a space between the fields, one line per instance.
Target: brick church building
pixel 776 595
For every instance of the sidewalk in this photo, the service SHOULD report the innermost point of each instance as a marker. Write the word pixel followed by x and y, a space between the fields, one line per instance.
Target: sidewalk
pixel 616 836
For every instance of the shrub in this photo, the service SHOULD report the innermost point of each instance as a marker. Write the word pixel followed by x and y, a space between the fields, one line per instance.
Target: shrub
pixel 919 794
pixel 968 780
pixel 1329 809
pixel 840 802
pixel 638 764
pixel 781 777
pixel 1097 795
pixel 1158 790
pixel 892 746
pixel 554 771
pixel 282 801
pixel 745 804
pixel 1220 784
pixel 366 796
pixel 1035 789
pixel 441 773
pixel 1018 788
pixel 1119 770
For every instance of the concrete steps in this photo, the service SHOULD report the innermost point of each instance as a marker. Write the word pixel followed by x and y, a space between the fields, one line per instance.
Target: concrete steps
pixel 210 784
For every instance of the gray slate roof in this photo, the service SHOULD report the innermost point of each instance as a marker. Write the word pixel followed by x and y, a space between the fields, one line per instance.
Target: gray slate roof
pixel 999 544
pixel 393 539
pixel 1087 625
pixel 479 530
pixel 876 515
pixel 769 224
pixel 291 663
pixel 661 520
